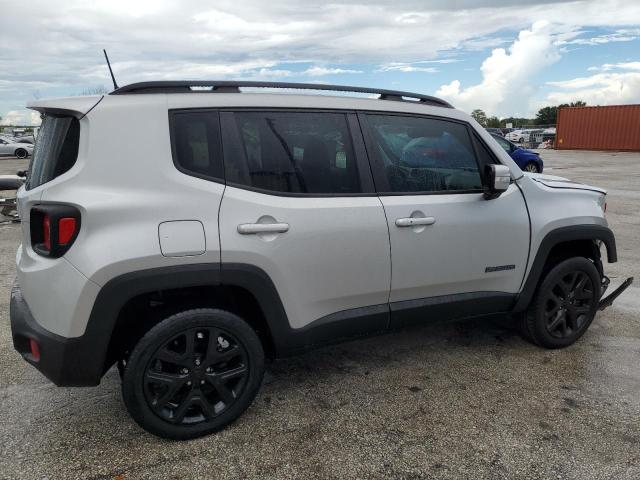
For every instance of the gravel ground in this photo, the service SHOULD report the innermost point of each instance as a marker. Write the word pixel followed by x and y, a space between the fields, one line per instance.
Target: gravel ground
pixel 462 400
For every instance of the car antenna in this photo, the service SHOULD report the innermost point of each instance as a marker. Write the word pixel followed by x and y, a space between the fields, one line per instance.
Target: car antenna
pixel 115 85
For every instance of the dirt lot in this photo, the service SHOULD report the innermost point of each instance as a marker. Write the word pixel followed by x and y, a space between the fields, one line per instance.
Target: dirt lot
pixel 465 400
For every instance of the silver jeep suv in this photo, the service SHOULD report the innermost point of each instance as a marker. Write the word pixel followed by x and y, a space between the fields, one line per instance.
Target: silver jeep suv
pixel 187 231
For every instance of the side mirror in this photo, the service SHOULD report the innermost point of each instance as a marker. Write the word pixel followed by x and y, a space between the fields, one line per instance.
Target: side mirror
pixel 497 179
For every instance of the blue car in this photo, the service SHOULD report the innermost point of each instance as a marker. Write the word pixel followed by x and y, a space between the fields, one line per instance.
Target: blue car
pixel 527 160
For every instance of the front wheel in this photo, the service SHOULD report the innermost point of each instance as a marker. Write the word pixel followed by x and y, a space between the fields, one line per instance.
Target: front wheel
pixel 565 304
pixel 531 167
pixel 21 153
pixel 193 374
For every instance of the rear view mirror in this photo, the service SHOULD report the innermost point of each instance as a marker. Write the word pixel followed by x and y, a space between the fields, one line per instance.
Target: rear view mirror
pixel 497 180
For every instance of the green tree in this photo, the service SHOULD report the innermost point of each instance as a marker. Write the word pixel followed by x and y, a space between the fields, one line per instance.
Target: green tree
pixel 546 116
pixel 516 122
pixel 493 122
pixel 549 115
pixel 480 117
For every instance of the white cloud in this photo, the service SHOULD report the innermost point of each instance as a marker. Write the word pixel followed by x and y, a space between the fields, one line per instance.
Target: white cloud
pixel 21 117
pixel 505 88
pixel 622 35
pixel 621 66
pixel 417 66
pixel 321 71
pixel 598 89
pixel 163 39
pixel 616 83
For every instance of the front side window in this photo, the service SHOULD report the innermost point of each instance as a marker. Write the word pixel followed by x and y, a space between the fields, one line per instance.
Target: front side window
pixel 290 152
pixel 503 143
pixel 419 154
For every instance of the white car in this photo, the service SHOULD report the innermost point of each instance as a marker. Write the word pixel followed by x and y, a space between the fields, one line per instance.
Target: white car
pixel 517 136
pixel 10 148
pixel 255 225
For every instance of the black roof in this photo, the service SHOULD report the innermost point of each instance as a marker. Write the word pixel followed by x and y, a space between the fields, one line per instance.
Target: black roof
pixel 232 86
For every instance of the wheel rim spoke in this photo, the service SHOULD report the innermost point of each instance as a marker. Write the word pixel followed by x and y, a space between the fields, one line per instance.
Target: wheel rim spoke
pixel 556 321
pixel 225 393
pixel 233 373
pixel 183 407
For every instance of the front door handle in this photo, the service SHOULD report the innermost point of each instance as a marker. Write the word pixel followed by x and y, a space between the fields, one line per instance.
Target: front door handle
pixel 414 221
pixel 255 228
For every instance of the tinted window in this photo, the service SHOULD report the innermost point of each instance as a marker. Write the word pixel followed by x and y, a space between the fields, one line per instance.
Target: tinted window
pixel 485 157
pixel 423 154
pixel 503 143
pixel 196 143
pixel 56 149
pixel 290 152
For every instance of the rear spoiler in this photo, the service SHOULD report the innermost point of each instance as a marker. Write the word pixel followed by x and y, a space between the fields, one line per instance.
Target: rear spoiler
pixel 74 106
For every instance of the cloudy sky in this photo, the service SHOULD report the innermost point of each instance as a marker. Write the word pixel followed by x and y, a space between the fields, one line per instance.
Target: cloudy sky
pixel 506 57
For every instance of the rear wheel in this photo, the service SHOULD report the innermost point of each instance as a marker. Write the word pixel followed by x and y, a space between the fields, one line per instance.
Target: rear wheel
pixel 565 304
pixel 21 153
pixel 531 167
pixel 193 374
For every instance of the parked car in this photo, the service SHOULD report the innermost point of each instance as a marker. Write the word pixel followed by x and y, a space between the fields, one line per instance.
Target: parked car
pixel 25 139
pixel 255 225
pixel 527 160
pixel 516 136
pixel 531 135
pixel 495 131
pixel 13 149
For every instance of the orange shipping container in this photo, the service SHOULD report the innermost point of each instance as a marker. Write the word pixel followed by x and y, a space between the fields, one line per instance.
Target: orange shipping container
pixel 615 127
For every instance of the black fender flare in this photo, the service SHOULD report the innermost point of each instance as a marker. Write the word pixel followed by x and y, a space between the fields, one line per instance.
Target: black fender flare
pixel 553 238
pixel 93 346
pixel 114 295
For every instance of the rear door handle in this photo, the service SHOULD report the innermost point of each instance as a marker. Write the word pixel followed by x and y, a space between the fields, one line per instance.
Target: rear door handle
pixel 413 221
pixel 254 228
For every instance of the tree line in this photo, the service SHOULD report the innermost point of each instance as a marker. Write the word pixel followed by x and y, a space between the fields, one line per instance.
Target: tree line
pixel 545 116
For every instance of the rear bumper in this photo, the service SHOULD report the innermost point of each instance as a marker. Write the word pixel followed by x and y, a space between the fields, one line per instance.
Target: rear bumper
pixel 64 361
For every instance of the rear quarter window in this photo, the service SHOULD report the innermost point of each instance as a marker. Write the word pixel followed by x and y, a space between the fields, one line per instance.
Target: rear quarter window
pixel 195 141
pixel 56 149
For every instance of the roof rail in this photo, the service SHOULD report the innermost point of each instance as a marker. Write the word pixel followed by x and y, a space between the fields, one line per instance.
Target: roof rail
pixel 232 86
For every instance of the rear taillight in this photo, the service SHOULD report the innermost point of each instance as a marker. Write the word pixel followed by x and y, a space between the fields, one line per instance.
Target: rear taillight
pixel 54 228
pixel 66 230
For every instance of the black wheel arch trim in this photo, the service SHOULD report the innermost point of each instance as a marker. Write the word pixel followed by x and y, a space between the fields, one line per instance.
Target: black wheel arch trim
pixel 556 237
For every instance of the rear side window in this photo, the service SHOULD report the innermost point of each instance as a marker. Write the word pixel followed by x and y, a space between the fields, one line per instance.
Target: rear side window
pixel 290 152
pixel 419 154
pixel 56 149
pixel 195 138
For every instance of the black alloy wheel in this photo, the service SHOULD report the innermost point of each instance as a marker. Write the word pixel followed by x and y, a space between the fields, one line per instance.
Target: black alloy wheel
pixel 564 305
pixel 21 153
pixel 568 305
pixel 196 375
pixel 193 373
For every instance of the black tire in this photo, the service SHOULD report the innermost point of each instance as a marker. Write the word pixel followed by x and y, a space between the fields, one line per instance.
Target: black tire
pixel 179 385
pixel 565 304
pixel 531 167
pixel 21 153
